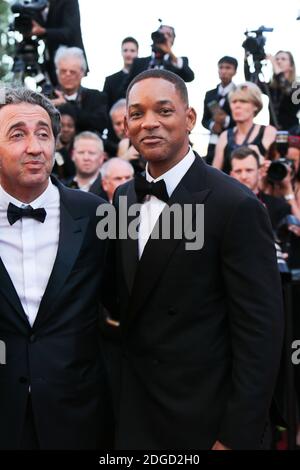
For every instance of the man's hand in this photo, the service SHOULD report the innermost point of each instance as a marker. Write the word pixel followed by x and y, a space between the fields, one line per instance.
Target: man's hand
pixel 37 29
pixel 60 98
pixel 219 446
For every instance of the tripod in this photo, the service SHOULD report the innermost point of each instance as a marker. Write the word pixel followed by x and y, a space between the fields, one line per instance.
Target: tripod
pixel 254 78
pixel 26 63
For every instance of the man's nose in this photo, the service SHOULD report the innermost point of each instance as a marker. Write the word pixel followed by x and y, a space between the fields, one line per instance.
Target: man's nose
pixel 150 121
pixel 33 145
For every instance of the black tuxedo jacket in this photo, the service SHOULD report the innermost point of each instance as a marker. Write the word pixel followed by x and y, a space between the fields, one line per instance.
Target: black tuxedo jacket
pixel 91 110
pixel 115 87
pixel 60 357
pixel 201 330
pixel 142 63
pixel 212 95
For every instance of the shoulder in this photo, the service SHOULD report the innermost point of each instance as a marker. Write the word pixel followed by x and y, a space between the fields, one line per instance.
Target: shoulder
pixel 90 92
pixel 211 93
pixel 141 60
pixel 270 131
pixel 115 76
pixel 80 201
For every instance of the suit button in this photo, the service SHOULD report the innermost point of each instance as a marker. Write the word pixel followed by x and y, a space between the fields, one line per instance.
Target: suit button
pixel 32 338
pixel 23 380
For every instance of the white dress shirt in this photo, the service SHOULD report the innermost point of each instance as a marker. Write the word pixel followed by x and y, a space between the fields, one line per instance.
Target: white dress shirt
pixel 152 207
pixel 28 248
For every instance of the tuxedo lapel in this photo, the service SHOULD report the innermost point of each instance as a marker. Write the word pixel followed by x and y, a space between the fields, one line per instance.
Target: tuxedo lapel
pixel 71 235
pixel 8 290
pixel 129 246
pixel 157 252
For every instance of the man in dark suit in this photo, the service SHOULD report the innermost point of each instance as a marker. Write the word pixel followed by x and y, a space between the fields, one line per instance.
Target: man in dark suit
pixel 90 106
pixel 88 157
pixel 163 57
pixel 245 168
pixel 53 392
pixel 114 84
pixel 217 114
pixel 61 27
pixel 199 292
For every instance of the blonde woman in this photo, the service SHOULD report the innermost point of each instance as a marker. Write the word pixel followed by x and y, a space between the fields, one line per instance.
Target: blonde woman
pixel 245 103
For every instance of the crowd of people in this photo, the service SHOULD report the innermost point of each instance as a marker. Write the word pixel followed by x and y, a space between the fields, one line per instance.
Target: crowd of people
pixel 142 343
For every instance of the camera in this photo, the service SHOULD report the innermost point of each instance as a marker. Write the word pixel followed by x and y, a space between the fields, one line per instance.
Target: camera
pixel 278 169
pixel 158 38
pixel 255 42
pixel 26 11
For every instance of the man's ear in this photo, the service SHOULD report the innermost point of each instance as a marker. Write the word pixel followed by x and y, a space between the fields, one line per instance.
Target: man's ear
pixel 126 127
pixel 104 184
pixel 191 117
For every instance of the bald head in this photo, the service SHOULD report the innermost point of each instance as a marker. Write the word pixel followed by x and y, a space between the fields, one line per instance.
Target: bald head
pixel 115 172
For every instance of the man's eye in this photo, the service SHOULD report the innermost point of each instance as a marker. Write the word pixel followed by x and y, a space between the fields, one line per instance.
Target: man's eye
pixel 16 135
pixel 135 115
pixel 43 134
pixel 165 111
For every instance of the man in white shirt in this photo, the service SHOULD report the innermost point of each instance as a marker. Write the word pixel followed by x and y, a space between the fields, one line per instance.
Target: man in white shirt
pixel 88 157
pixel 201 333
pixel 53 386
pixel 216 113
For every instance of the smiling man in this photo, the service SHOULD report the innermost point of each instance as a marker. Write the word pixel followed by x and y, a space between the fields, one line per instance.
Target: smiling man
pixel 201 334
pixel 53 391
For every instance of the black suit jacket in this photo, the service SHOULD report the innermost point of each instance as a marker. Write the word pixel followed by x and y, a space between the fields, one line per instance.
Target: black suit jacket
pixel 277 208
pixel 212 95
pixel 60 357
pixel 142 63
pixel 62 29
pixel 91 110
pixel 115 88
pixel 201 330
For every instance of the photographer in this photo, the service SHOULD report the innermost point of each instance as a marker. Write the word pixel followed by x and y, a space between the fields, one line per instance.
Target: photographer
pixel 217 114
pixel 283 178
pixel 245 167
pixel 163 57
pixel 283 110
pixel 60 25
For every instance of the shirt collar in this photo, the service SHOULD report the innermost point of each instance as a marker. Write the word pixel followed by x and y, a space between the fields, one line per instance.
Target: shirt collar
pixel 86 187
pixel 42 201
pixel 223 91
pixel 71 97
pixel 173 176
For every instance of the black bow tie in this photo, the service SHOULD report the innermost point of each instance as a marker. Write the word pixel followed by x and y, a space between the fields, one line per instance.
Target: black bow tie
pixel 143 187
pixel 15 213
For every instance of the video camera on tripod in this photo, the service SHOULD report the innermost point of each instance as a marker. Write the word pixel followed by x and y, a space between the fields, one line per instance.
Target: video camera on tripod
pixel 27 57
pixel 255 41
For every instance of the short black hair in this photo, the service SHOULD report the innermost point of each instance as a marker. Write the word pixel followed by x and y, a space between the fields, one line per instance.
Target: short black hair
pixel 240 153
pixel 227 59
pixel 165 75
pixel 130 39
